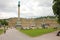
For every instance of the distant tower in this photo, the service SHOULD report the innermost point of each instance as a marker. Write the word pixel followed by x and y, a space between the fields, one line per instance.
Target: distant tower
pixel 18 24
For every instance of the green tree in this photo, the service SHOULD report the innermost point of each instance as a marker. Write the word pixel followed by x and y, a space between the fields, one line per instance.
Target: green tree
pixel 56 9
pixel 4 22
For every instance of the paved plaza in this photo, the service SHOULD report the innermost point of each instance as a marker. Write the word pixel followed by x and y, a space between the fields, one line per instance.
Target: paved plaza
pixel 13 34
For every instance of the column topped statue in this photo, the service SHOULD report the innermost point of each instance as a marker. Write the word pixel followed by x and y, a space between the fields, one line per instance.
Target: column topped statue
pixel 18 23
pixel 18 3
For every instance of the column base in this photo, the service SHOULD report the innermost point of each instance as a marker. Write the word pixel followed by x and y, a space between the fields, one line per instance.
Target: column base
pixel 18 24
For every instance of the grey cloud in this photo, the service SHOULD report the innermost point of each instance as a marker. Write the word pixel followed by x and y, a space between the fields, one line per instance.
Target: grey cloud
pixel 4 6
pixel 8 9
pixel 46 3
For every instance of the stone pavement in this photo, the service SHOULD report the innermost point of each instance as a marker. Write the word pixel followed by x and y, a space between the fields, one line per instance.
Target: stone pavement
pixel 13 34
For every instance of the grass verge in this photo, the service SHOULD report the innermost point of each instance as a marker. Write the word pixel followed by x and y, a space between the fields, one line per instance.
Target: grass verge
pixel 36 32
pixel 1 31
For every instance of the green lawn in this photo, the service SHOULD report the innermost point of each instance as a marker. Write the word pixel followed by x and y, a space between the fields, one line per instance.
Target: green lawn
pixel 1 31
pixel 37 32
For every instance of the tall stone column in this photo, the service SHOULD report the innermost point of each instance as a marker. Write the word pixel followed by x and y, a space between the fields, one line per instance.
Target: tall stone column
pixel 18 10
pixel 18 24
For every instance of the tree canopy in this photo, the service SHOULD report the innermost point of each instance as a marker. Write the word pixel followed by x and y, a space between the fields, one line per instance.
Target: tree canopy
pixel 3 22
pixel 56 9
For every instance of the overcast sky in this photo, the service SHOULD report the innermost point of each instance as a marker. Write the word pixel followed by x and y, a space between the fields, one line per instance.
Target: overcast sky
pixel 28 8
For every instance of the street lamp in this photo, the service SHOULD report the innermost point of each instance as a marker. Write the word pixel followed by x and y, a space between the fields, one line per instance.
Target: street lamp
pixel 4 29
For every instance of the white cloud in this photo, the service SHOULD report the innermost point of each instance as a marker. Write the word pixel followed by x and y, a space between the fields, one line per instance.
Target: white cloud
pixel 28 8
pixel 36 8
pixel 5 15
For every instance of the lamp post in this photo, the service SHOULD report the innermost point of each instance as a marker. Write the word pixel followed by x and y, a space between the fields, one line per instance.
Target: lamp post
pixel 4 29
pixel 0 24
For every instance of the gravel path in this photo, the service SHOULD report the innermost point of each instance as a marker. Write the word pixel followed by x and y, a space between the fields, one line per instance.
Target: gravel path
pixel 13 34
